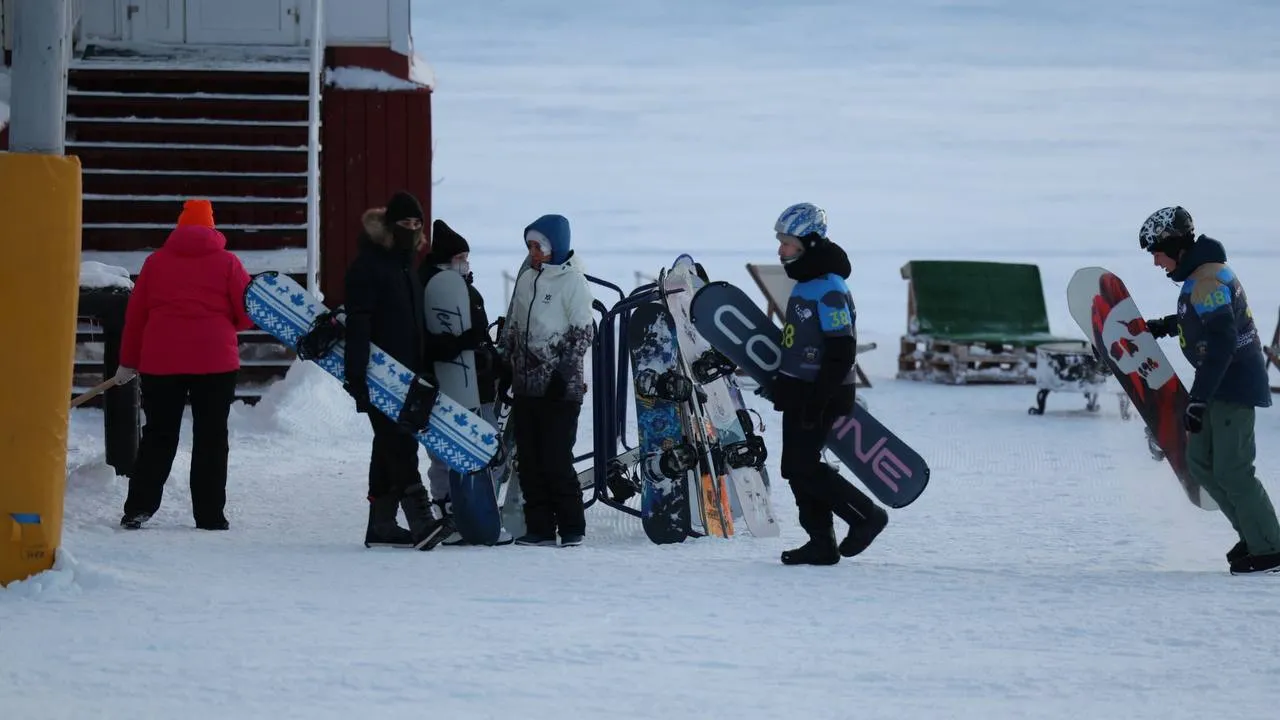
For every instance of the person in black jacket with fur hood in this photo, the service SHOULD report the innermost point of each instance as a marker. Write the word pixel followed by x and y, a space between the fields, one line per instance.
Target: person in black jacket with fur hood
pixel 450 252
pixel 384 308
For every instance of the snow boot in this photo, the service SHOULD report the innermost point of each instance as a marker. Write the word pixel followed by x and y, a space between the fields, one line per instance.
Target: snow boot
pixel 1256 564
pixel 383 531
pixel 134 522
pixel 820 550
pixel 532 540
pixel 1237 552
pixel 814 552
pixel 861 535
pixel 443 510
pixel 427 530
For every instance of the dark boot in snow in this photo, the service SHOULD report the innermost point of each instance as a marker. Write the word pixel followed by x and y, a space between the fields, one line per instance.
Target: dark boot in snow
pixel 383 531
pixel 820 550
pixel 427 530
pixel 864 533
pixel 1237 552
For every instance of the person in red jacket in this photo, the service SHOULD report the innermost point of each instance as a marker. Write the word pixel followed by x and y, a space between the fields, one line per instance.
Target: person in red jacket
pixel 180 336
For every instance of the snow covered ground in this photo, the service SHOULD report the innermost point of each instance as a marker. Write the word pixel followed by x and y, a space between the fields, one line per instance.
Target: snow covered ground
pixel 1051 570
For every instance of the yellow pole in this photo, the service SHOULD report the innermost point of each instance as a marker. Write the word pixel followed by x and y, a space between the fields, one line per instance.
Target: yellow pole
pixel 39 291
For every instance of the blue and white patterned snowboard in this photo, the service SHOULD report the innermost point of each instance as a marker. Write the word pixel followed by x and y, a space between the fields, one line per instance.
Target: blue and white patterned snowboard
pixel 458 436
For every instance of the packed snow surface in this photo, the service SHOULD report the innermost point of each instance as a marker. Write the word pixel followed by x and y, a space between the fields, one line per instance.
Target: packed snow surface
pixel 1051 570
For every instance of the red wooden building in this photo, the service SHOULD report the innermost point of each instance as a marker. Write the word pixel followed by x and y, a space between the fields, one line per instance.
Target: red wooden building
pixel 232 100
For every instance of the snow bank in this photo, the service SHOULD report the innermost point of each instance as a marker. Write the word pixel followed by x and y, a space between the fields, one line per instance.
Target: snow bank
pixel 67 579
pixel 306 402
pixel 94 274
pixel 357 78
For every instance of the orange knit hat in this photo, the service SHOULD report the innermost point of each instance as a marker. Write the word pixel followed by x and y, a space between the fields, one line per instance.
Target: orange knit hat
pixel 196 212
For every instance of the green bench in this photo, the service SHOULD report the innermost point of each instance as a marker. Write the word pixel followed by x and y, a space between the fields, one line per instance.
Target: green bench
pixel 971 321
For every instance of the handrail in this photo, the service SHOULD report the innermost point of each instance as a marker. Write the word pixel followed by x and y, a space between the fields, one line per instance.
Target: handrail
pixel 313 149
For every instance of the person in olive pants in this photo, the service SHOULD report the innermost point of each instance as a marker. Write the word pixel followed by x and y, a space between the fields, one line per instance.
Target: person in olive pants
pixel 1215 329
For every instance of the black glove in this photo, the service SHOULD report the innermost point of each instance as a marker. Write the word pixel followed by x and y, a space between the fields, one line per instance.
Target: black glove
pixel 556 387
pixel 472 339
pixel 1163 327
pixel 1193 418
pixel 358 389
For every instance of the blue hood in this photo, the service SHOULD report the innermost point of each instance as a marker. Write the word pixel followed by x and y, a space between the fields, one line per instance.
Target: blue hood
pixel 556 229
pixel 1205 250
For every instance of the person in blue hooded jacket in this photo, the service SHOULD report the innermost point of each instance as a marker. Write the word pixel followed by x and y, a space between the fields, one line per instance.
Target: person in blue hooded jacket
pixel 545 338
pixel 814 386
pixel 1218 336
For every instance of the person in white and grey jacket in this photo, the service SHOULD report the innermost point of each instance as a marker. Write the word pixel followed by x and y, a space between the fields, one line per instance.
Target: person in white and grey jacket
pixel 545 339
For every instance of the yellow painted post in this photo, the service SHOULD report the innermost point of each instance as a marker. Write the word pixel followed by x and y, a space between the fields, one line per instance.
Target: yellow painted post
pixel 40 269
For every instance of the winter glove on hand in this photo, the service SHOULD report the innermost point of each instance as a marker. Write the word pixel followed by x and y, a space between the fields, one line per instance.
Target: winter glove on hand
pixel 556 387
pixel 1163 327
pixel 124 375
pixel 1193 418
pixel 359 391
pixel 472 339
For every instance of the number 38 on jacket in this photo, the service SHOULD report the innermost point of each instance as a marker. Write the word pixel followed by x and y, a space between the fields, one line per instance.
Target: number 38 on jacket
pixel 817 309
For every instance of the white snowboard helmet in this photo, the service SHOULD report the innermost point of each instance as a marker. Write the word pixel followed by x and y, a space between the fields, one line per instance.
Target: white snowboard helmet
pixel 804 221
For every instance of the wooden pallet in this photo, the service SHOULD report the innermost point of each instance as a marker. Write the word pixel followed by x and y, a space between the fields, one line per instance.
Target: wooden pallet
pixel 949 362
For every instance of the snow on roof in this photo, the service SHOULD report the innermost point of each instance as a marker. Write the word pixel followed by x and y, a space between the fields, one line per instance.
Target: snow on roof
pixel 358 78
pixel 100 275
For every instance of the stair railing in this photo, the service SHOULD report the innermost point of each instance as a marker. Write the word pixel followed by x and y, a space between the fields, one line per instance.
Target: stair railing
pixel 313 148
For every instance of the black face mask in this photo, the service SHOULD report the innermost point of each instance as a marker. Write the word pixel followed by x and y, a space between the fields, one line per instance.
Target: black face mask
pixel 404 238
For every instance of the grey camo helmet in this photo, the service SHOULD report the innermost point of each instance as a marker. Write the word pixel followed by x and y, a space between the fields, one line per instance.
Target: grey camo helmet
pixel 1167 230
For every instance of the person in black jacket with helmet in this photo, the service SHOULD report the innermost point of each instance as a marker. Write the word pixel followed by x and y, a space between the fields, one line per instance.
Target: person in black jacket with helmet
pixel 1218 336
pixel 814 386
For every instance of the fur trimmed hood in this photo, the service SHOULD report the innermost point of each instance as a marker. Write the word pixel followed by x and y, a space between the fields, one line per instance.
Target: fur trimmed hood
pixel 374 221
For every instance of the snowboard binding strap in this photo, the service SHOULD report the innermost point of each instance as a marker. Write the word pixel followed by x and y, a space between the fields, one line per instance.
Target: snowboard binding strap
pixel 326 331
pixel 415 414
pixel 710 366
pixel 670 385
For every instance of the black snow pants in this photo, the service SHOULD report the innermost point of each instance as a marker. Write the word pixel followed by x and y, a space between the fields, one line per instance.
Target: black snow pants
pixel 164 399
pixel 819 490
pixel 546 431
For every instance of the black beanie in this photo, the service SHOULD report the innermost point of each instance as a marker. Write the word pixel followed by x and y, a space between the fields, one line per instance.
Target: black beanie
pixel 403 206
pixel 445 243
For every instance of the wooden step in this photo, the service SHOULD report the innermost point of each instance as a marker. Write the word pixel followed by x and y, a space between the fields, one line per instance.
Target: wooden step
pixel 164 210
pixel 114 130
pixel 116 237
pixel 207 158
pixel 140 80
pixel 210 107
pixel 193 184
pixel 291 261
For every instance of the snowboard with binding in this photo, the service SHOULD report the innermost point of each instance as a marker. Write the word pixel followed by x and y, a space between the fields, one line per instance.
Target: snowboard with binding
pixel 473 496
pixel 461 438
pixel 737 449
pixel 1101 305
pixel 667 459
pixel 736 327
